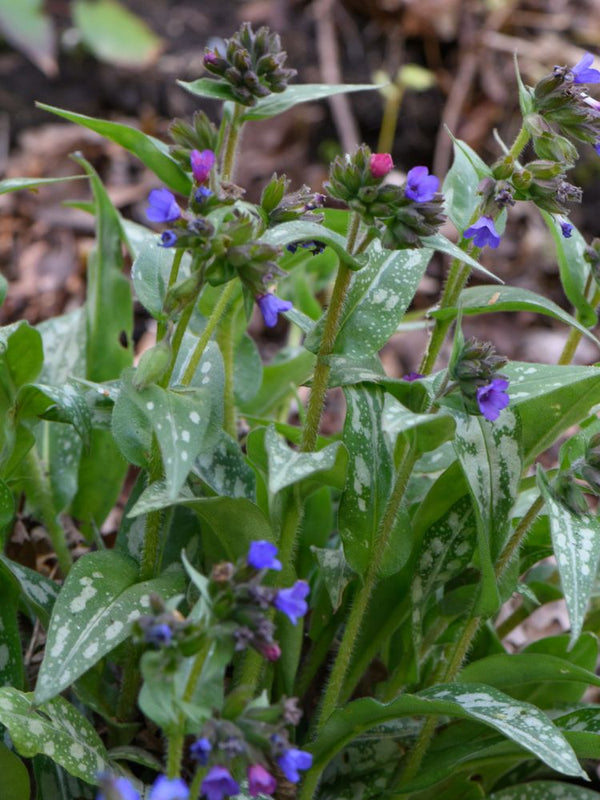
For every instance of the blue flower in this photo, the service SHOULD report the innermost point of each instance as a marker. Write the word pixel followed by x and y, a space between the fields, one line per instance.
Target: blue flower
pixel 162 206
pixel 202 193
pixel 270 306
pixel 566 228
pixel 291 601
pixel 112 788
pixel 291 761
pixel 582 72
pixel 483 232
pixel 200 749
pixel 165 788
pixel 492 398
pixel 168 239
pixel 412 376
pixel 420 185
pixel 218 784
pixel 262 555
pixel 160 634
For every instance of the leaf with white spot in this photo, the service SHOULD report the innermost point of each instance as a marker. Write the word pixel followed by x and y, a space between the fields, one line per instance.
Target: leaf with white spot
pixel 56 403
pixel 576 544
pixel 427 431
pixel 334 571
pixel 12 671
pixel 369 481
pixel 178 419
pixel 39 591
pixel 53 781
pixel 225 469
pixel 544 790
pixel 287 466
pixel 461 197
pixel 94 613
pixel 56 729
pixel 489 454
pixel 377 299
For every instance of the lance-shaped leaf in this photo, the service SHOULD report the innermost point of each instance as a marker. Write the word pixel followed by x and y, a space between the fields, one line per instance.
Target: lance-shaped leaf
pixel 39 591
pixel 224 468
pixel 377 299
pixel 426 431
pixel 489 299
pixel 93 613
pixel 151 152
pixel 544 790
pixel 287 466
pixel 12 672
pixel 573 267
pixel 293 368
pixel 460 184
pixel 150 275
pixel 15 778
pixel 520 722
pixel 550 399
pixel 304 231
pixel 56 729
pixel 576 543
pixel 444 245
pixel 59 403
pixel 53 781
pixel 335 572
pixel 369 481
pixel 18 184
pixel 489 454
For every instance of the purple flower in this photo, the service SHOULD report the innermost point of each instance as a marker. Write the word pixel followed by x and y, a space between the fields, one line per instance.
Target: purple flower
pixel 483 232
pixel 160 634
pixel 200 749
pixel 112 788
pixel 260 781
pixel 582 72
pixel 162 206
pixel 420 185
pixel 292 760
pixel 218 784
pixel 270 306
pixel 597 146
pixel 168 239
pixel 262 555
pixel 165 788
pixel 291 601
pixel 202 163
pixel 566 229
pixel 412 376
pixel 492 398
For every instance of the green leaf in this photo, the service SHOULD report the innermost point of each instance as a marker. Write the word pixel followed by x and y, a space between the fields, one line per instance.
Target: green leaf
pixel 12 671
pixel 56 729
pixel 490 299
pixel 224 468
pixel 58 403
pixel 376 302
pixel 209 87
pixel 461 182
pixel 526 95
pixel 247 371
pixel 7 509
pixel 369 482
pixel 114 34
pixel 576 544
pixel 427 431
pixel 18 184
pixel 39 592
pixel 550 399
pixel 334 571
pixel 520 722
pixel 544 790
pixel 444 245
pixel 27 27
pixel 574 269
pixel 15 778
pixel 53 781
pixel 93 614
pixel 151 152
pixel 302 231
pixel 279 381
pixel 150 275
pixel 287 466
pixel 21 353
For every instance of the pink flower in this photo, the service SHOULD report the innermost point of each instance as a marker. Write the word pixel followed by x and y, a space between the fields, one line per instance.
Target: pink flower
pixel 202 163
pixel 381 164
pixel 260 781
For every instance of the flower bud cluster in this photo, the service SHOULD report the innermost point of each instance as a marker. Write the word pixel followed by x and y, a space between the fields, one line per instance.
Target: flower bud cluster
pixel 252 64
pixel 200 135
pixel 403 214
pixel 475 372
pixel 280 206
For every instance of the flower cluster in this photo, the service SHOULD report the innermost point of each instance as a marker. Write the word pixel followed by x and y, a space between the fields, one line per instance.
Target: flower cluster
pixel 163 788
pixel 475 371
pixel 402 214
pixel 251 64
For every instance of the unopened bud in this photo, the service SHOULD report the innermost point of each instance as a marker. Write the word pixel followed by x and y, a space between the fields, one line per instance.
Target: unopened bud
pixel 152 365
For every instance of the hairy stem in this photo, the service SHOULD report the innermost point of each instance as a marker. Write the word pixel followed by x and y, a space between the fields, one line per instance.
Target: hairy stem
pixel 161 328
pixel 225 340
pixel 231 138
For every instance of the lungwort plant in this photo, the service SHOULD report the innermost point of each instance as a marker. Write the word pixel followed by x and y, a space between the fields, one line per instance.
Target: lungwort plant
pixel 286 613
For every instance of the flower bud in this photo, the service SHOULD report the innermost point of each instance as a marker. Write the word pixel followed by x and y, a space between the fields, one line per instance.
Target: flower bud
pixel 152 365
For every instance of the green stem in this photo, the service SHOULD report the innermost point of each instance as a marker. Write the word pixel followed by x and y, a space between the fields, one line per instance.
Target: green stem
pixel 41 496
pixel 130 685
pixel 575 335
pixel 320 381
pixel 161 328
pixel 197 783
pixel 232 134
pixel 220 308
pixel 225 340
pixel 391 109
pixel 517 537
pixel 521 139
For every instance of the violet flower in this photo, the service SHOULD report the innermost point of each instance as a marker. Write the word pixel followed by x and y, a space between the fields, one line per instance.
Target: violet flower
pixel 260 781
pixel 160 634
pixel 112 788
pixel 270 306
pixel 483 232
pixel 292 760
pixel 291 601
pixel 165 788
pixel 202 163
pixel 420 185
pixel 218 784
pixel 200 749
pixel 168 239
pixel 566 229
pixel 261 555
pixel 492 398
pixel 582 72
pixel 162 206
pixel 380 164
pixel 412 376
